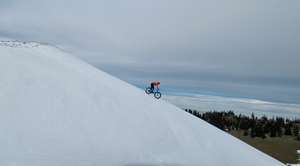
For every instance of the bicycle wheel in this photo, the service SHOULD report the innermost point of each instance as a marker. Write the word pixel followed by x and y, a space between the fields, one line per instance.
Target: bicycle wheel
pixel 148 90
pixel 157 95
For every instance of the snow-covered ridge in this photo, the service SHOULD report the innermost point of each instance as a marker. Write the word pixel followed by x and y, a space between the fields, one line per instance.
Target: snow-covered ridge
pixel 56 110
pixel 18 44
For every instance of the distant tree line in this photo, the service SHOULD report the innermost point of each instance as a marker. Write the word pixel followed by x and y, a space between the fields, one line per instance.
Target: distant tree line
pixel 253 126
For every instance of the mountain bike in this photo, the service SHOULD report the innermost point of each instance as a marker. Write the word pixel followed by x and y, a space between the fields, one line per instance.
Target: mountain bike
pixel 154 91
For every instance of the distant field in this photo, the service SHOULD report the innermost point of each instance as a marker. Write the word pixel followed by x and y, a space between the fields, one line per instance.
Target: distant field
pixel 282 148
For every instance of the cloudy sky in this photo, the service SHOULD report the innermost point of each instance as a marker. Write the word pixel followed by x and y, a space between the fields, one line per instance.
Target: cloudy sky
pixel 231 48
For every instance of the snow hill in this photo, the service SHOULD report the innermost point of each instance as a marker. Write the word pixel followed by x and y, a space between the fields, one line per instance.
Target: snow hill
pixel 56 110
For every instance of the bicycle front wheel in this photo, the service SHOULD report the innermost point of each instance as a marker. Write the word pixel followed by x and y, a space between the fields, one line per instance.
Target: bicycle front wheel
pixel 157 95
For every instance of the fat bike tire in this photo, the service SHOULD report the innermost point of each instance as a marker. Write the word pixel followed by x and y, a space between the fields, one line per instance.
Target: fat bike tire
pixel 157 95
pixel 148 90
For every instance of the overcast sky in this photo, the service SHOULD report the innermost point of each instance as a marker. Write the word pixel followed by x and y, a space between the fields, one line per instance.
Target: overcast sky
pixel 235 48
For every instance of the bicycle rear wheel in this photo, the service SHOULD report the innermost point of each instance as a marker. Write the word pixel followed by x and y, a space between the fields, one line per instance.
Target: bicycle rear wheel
pixel 148 90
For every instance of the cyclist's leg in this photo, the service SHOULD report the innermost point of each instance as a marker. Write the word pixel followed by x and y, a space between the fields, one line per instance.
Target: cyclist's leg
pixel 152 87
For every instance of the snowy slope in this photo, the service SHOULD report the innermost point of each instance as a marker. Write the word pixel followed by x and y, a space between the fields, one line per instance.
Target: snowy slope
pixel 56 110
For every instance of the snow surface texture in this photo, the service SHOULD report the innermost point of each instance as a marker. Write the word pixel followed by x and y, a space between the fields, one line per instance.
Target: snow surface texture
pixel 56 110
pixel 19 44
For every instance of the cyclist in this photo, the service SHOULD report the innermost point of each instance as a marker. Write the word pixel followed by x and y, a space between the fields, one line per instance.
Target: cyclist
pixel 154 85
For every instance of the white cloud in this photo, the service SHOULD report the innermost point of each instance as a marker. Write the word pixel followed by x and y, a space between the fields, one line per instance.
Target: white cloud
pixel 250 42
pixel 205 103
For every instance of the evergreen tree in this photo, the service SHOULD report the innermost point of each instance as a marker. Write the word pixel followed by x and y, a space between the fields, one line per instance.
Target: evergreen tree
pixel 287 129
pixel 296 130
